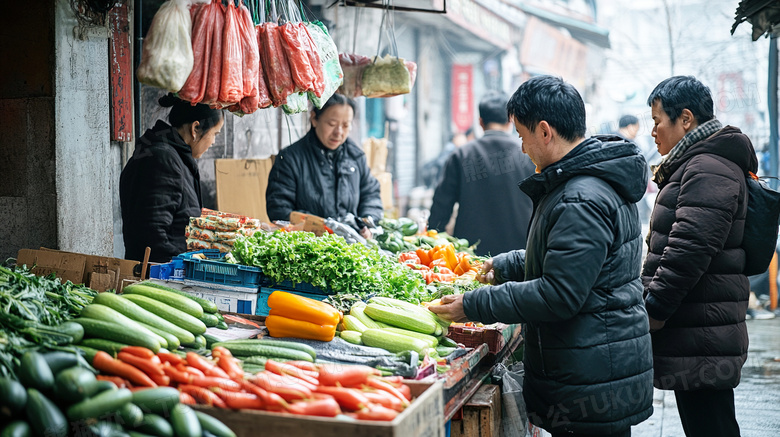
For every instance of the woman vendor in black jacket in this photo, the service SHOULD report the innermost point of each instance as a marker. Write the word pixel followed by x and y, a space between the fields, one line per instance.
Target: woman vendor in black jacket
pixel 324 173
pixel 159 189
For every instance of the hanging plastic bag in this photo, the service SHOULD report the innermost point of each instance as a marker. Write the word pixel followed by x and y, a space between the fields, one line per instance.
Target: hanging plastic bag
pixel 251 62
pixel 296 103
pixel 214 79
pixel 314 60
pixel 167 51
pixel 386 77
pixel 301 69
pixel 329 58
pixel 202 22
pixel 232 88
pixel 275 65
pixel 514 418
pixel 353 65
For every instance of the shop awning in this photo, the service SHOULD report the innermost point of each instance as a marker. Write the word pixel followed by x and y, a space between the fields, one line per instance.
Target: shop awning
pixel 585 32
pixel 762 14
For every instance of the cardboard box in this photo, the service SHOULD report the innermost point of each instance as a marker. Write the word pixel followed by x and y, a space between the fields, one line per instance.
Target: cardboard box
pixel 386 189
pixel 424 417
pixel 99 273
pixel 241 185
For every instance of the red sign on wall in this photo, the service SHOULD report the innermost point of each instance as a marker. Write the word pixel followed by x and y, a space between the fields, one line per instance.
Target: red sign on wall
pixel 462 97
pixel 120 62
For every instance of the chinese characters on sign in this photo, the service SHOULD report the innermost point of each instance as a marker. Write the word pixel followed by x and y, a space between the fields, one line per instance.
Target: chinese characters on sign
pixel 462 97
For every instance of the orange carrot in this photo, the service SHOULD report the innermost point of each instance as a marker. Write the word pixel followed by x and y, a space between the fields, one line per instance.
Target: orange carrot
pixel 161 380
pixel 207 367
pixel 202 395
pixel 239 400
pixel 292 371
pixel 143 364
pixel 105 363
pixel 118 382
pixel 214 381
pixel 186 399
pixel 226 362
pixel 138 351
pixel 168 357
pixel 176 375
pixel 379 384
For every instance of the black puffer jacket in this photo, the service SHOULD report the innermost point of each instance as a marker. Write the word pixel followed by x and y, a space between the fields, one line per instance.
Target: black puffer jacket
pixel 302 179
pixel 693 270
pixel 159 190
pixel 587 348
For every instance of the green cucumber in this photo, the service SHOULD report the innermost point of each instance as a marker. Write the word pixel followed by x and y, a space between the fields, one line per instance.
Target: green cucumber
pixel 131 415
pixel 443 351
pixel 139 314
pixel 259 360
pixel 138 434
pixel 214 425
pixel 13 398
pixel 156 426
pixel 401 318
pixel 393 342
pixel 266 342
pixel 210 340
pixel 73 329
pixel 107 314
pixel 45 418
pixel 446 341
pixel 258 348
pixel 159 400
pixel 354 337
pixel 199 343
pixel 108 346
pixel 168 313
pixel 74 384
pixel 59 360
pixel 118 333
pixel 101 386
pixel 106 429
pixel 184 421
pixel 429 339
pixel 222 325
pixel 34 372
pixel 172 340
pixel 210 320
pixel 17 428
pixel 101 404
pixel 207 305
pixel 174 300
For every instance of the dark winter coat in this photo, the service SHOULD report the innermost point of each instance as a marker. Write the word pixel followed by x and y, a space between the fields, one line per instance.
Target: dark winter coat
pixel 693 270
pixel 482 178
pixel 304 179
pixel 159 191
pixel 588 361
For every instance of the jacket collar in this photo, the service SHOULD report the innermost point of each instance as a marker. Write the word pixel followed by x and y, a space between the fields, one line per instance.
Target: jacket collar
pixel 167 134
pixel 616 161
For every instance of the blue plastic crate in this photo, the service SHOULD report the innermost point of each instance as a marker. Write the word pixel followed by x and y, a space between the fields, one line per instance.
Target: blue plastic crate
pixel 262 308
pixel 218 272
pixel 173 270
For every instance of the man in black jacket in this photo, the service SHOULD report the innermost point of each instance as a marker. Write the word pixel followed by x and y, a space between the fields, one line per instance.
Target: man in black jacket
pixel 588 357
pixel 482 177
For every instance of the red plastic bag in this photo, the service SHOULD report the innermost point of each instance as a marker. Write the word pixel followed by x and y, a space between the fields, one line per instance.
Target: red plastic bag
pixel 263 94
pixel 251 60
pixel 275 64
pixel 232 88
pixel 314 60
pixel 202 20
pixel 300 65
pixel 214 78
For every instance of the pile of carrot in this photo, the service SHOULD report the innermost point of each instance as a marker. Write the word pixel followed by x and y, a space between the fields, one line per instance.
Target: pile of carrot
pixel 296 387
pixel 441 263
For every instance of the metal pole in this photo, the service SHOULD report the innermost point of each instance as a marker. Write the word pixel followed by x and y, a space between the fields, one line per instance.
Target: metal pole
pixel 772 101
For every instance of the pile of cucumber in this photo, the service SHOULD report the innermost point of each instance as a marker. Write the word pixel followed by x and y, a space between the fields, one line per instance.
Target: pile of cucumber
pixel 149 315
pixel 396 326
pixel 58 395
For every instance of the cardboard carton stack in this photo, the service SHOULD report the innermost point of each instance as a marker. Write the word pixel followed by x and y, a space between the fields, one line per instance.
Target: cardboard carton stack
pixel 376 158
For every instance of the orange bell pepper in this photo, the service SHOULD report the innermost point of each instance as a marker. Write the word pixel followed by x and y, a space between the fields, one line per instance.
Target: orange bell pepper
pixel 279 326
pixel 464 264
pixel 302 308
pixel 449 255
pixel 425 259
pixel 439 262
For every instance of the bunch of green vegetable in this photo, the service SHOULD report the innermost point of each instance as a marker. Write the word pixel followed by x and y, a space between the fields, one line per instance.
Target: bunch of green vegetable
pixel 328 262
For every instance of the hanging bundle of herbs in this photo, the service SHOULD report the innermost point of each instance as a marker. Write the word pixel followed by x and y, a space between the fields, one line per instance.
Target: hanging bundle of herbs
pixel 330 263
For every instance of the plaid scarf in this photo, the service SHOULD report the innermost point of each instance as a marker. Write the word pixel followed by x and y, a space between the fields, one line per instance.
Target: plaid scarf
pixel 662 171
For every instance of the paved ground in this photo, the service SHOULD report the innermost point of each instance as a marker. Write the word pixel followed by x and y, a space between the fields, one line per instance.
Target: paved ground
pixel 757 397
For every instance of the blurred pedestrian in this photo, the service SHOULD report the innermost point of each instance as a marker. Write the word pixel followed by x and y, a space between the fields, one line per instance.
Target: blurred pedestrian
pixel 695 292
pixel 432 170
pixel 628 127
pixel 587 356
pixel 482 177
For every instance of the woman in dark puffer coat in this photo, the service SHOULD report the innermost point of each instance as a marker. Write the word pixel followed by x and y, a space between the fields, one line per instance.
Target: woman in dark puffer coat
pixel 695 291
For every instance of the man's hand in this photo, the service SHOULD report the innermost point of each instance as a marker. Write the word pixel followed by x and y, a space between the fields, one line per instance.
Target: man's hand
pixel 655 325
pixel 365 233
pixel 451 308
pixel 486 274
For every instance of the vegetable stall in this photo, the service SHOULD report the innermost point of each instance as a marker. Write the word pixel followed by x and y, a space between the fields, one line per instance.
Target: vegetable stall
pixel 339 341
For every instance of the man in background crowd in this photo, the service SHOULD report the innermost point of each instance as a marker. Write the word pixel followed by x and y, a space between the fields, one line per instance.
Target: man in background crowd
pixel 482 177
